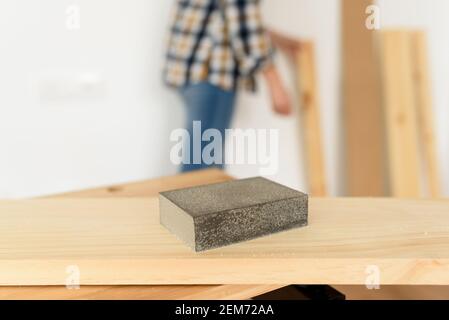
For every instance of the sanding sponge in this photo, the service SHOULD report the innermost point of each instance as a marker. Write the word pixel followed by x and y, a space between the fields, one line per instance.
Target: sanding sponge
pixel 221 214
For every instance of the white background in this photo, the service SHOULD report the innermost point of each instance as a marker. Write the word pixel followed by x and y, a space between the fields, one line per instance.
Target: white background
pixel 53 142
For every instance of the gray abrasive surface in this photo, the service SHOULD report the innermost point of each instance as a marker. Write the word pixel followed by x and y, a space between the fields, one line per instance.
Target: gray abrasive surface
pixel 221 214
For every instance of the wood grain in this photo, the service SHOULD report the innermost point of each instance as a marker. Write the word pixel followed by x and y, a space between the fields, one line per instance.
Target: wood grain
pixel 141 292
pixel 400 114
pixel 146 188
pixel 151 188
pixel 310 115
pixel 120 242
pixel 395 292
pixel 362 104
pixel 422 89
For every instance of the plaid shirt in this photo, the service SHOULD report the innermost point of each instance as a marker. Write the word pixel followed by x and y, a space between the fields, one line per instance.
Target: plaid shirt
pixel 219 41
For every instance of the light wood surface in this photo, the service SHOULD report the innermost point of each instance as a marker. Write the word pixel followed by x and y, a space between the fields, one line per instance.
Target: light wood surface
pixel 175 292
pixel 395 292
pixel 362 104
pixel 423 95
pixel 146 188
pixel 310 115
pixel 120 242
pixel 400 114
pixel 151 188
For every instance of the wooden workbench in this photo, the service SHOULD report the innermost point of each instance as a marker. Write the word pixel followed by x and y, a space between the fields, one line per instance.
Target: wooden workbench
pixel 114 242
pixel 148 188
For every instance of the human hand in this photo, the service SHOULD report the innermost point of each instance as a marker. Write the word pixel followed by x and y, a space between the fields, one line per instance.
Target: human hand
pixel 281 102
pixel 288 45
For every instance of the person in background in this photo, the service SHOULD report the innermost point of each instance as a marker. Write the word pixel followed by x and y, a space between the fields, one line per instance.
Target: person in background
pixel 215 48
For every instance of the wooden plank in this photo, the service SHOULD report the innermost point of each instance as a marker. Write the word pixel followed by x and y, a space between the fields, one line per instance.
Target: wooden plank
pixel 148 188
pixel 303 55
pixel 424 108
pixel 120 242
pixel 141 292
pixel 400 114
pixel 151 188
pixel 395 292
pixel 362 105
pixel 310 115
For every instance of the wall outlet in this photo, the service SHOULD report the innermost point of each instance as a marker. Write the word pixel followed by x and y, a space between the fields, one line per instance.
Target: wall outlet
pixel 68 86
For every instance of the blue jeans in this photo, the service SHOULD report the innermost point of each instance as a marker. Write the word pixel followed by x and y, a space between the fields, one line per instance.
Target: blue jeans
pixel 212 106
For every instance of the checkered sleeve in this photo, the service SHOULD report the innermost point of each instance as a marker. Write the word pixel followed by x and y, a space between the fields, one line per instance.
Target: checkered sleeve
pixel 249 40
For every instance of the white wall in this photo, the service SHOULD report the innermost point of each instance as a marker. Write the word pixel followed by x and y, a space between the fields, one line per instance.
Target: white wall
pixel 118 131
